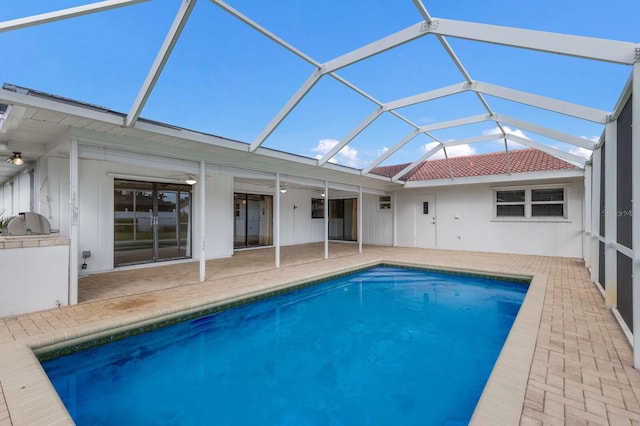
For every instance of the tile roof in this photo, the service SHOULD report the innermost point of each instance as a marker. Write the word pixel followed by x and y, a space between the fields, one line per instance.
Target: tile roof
pixel 522 160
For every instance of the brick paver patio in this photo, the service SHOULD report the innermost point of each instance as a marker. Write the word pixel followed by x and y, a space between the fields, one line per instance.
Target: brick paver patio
pixel 581 371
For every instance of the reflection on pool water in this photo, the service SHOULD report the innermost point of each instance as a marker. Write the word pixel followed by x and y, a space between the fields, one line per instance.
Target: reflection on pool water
pixel 382 346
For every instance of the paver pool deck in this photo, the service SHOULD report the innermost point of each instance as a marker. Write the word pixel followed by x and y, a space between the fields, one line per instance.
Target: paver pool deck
pixel 581 370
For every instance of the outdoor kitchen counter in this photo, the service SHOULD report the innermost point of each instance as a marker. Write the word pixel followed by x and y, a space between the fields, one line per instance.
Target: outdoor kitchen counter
pixel 24 241
pixel 35 273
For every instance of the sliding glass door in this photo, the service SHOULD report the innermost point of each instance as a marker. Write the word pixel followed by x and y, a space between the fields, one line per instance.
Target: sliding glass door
pixel 152 222
pixel 343 219
pixel 253 220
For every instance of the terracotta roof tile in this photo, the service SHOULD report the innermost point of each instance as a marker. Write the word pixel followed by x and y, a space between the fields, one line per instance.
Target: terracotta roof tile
pixel 389 171
pixel 522 160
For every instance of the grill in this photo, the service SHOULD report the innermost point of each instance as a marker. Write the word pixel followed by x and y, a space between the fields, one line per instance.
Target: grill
pixel 28 223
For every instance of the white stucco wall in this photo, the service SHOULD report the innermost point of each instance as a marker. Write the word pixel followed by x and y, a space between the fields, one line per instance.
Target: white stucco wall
pixel 476 229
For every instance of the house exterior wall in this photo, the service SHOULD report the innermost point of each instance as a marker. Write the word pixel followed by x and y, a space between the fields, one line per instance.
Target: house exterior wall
pixel 377 225
pixel 465 221
pixel 219 218
pixel 95 198
pixel 5 199
pixel 16 195
pixel 464 214
pixel 296 224
pixel 298 227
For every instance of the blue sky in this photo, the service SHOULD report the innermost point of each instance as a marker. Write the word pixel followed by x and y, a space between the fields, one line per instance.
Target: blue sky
pixel 226 79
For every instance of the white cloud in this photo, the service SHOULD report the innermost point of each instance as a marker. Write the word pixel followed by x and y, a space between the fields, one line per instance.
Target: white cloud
pixel 468 149
pixel 452 151
pixel 580 152
pixel 496 131
pixel 460 150
pixel 583 152
pixel 347 155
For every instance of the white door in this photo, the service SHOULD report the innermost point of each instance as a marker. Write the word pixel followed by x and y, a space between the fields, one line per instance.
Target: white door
pixel 425 221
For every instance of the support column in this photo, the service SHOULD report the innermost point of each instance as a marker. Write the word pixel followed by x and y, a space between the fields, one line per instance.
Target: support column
pixel 635 204
pixel 610 206
pixel 595 215
pixel 73 223
pixel 360 219
pixel 394 216
pixel 586 217
pixel 203 220
pixel 276 223
pixel 326 219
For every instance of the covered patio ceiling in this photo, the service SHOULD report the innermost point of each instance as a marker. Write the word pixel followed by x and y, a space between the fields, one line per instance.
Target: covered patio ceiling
pixel 348 93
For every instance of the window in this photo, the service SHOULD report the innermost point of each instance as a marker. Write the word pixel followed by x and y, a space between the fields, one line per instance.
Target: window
pixel 530 203
pixel 317 208
pixel 547 202
pixel 510 203
pixel 384 202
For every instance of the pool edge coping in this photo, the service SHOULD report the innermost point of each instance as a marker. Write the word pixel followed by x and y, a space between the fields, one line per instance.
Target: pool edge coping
pixel 502 399
pixel 489 410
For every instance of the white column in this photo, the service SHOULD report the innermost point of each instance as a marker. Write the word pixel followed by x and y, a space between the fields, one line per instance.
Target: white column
pixel 610 206
pixel 635 204
pixel 360 219
pixel 586 217
pixel 203 220
pixel 276 223
pixel 394 216
pixel 595 215
pixel 326 219
pixel 73 228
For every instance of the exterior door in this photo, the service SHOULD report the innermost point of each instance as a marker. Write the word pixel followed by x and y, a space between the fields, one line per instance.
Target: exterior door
pixel 152 222
pixel 425 221
pixel 173 213
pixel 253 220
pixel 343 219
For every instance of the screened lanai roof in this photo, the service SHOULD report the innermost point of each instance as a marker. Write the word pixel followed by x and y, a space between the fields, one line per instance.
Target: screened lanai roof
pixel 357 84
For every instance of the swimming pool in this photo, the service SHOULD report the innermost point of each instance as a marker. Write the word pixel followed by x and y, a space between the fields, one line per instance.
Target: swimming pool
pixel 377 347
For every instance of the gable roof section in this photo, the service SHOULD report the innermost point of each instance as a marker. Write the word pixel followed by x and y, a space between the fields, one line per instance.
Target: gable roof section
pixel 522 161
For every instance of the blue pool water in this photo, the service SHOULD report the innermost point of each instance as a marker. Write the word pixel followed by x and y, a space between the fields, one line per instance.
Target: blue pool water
pixel 382 346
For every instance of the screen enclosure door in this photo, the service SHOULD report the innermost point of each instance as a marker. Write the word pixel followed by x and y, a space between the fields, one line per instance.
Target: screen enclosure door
pixel 151 222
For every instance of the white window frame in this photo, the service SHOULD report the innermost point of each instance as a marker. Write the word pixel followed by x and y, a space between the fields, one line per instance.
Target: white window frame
pixel 509 203
pixel 538 203
pixel 386 205
pixel 528 217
